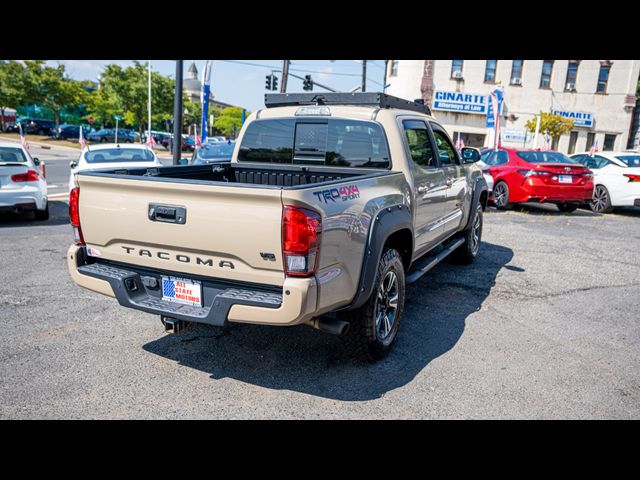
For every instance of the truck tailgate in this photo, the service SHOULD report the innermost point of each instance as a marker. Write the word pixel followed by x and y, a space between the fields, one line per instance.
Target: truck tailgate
pixel 229 232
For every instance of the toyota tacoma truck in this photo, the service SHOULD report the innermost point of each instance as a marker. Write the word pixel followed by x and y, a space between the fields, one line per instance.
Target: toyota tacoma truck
pixel 330 205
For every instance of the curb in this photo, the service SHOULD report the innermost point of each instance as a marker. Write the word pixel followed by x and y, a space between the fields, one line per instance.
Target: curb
pixel 44 146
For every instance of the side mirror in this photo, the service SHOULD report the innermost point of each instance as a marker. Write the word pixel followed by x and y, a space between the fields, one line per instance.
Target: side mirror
pixel 470 155
pixel 183 161
pixel 73 164
pixel 36 161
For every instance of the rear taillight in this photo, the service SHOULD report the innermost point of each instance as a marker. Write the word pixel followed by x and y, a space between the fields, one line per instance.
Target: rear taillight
pixel 301 232
pixel 632 178
pixel 528 173
pixel 74 215
pixel 30 176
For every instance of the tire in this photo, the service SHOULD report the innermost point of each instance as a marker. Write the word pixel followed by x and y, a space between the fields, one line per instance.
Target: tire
pixel 501 196
pixel 601 202
pixel 42 214
pixel 468 251
pixel 567 207
pixel 367 339
pixel 103 140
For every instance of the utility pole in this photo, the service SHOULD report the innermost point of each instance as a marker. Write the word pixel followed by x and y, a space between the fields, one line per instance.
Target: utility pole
pixel 364 76
pixel 177 115
pixel 285 74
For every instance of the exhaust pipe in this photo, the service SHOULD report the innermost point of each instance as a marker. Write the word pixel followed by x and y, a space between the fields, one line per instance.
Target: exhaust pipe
pixel 330 325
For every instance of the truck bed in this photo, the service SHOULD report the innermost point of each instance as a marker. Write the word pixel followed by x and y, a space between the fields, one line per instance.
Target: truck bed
pixel 269 176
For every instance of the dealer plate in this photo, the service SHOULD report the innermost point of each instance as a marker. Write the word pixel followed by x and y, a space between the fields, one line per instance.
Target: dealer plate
pixel 565 179
pixel 181 290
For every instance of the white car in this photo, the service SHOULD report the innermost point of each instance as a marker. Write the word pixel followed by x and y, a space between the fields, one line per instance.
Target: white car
pixel 486 154
pixel 616 179
pixel 111 155
pixel 23 187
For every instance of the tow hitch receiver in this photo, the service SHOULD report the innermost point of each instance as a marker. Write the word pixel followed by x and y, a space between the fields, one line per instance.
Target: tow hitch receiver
pixel 173 325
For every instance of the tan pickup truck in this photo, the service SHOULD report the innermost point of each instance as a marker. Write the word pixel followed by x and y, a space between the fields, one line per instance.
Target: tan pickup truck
pixel 330 205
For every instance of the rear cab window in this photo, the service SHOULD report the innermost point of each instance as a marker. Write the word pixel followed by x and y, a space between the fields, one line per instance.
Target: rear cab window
pixel 316 141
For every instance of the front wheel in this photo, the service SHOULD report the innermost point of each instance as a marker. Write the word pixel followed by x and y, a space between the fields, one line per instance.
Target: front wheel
pixel 601 202
pixel 501 196
pixel 373 327
pixel 468 251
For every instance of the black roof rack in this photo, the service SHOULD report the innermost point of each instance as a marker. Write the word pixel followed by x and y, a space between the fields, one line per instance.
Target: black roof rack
pixel 374 99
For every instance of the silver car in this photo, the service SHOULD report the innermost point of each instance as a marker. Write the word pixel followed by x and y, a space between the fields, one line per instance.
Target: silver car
pixel 23 187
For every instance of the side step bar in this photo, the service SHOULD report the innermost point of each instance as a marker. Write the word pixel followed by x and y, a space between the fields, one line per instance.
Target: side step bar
pixel 431 261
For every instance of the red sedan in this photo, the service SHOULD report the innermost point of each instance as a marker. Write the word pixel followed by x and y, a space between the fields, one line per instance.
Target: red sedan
pixel 538 176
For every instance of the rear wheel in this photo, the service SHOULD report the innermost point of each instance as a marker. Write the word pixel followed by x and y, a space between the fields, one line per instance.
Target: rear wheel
pixel 42 214
pixel 601 202
pixel 103 140
pixel 567 207
pixel 501 196
pixel 374 326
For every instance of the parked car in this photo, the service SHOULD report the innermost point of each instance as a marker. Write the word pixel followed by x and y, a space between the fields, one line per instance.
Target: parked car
pixel 318 220
pixel 188 143
pixel 66 131
pixel 216 139
pixel 484 154
pixel 34 126
pixel 23 187
pixel 217 152
pixel 108 135
pixel 112 156
pixel 616 176
pixel 538 176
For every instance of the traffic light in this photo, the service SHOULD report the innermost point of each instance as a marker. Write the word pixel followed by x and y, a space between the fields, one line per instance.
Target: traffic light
pixel 268 83
pixel 275 83
pixel 307 83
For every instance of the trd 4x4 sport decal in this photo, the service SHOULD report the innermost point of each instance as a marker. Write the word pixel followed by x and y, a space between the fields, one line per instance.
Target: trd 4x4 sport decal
pixel 348 192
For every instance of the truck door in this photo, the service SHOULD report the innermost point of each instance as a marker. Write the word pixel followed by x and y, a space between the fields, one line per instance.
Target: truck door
pixel 429 186
pixel 455 179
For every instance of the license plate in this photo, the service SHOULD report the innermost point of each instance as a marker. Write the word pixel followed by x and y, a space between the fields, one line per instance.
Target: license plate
pixel 565 179
pixel 181 290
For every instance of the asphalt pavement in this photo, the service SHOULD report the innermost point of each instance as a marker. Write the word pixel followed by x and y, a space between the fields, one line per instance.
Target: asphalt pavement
pixel 543 325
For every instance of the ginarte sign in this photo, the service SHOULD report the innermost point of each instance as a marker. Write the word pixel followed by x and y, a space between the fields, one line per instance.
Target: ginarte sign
pixel 460 102
pixel 580 119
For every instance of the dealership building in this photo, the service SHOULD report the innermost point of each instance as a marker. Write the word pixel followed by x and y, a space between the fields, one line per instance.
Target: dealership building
pixel 598 95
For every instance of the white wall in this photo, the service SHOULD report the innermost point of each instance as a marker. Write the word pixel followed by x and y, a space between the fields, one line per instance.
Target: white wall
pixel 529 99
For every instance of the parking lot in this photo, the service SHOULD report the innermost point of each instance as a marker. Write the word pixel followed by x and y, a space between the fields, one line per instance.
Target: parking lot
pixel 543 325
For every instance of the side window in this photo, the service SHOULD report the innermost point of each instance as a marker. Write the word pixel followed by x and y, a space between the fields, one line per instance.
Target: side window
pixel 487 157
pixel 446 151
pixel 502 157
pixel 601 162
pixel 418 142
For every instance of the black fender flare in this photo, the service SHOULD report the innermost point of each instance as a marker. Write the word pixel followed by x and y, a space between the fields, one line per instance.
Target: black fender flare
pixel 385 223
pixel 479 187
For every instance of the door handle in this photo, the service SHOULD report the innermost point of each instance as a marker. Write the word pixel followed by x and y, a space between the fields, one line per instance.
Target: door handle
pixel 422 189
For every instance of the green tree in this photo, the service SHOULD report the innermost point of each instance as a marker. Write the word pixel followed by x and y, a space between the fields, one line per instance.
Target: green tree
pixel 555 125
pixel 228 120
pixel 53 88
pixel 13 77
pixel 125 91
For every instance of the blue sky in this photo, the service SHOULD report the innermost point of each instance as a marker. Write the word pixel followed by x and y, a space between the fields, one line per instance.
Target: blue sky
pixel 244 85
